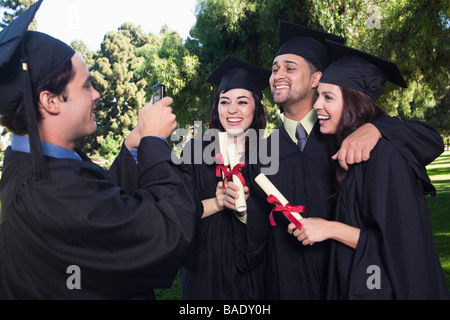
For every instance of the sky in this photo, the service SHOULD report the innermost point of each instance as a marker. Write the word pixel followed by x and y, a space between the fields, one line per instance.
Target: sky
pixel 90 20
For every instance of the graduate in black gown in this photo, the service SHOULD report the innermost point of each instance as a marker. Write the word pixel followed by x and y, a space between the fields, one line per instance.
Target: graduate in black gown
pixel 67 230
pixel 306 175
pixel 382 244
pixel 214 268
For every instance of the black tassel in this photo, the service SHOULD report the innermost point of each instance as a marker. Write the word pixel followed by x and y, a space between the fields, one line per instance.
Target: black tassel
pixel 39 165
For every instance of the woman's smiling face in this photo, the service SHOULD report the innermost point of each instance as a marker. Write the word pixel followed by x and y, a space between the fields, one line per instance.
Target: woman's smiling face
pixel 329 107
pixel 236 110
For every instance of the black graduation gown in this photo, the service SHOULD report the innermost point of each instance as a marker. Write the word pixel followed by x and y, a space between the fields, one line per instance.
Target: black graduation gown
pixel 307 178
pixel 304 178
pixel 214 268
pixel 124 245
pixel 395 257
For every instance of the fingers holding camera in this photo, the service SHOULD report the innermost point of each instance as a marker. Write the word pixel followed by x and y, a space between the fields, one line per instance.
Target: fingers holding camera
pixel 157 119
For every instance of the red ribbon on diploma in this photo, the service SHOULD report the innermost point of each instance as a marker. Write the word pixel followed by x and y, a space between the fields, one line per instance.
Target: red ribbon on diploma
pixel 237 172
pixel 287 209
pixel 228 175
pixel 221 168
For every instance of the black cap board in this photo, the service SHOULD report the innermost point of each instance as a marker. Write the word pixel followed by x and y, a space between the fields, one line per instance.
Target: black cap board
pixel 27 60
pixel 234 73
pixel 307 43
pixel 11 36
pixel 361 71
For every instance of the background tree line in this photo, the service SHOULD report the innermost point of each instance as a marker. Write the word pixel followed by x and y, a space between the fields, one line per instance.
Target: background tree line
pixel 413 33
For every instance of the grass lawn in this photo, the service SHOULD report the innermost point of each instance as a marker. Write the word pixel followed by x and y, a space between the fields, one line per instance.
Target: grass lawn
pixel 439 206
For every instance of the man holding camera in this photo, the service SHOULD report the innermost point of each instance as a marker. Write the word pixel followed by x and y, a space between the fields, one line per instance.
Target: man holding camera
pixel 67 229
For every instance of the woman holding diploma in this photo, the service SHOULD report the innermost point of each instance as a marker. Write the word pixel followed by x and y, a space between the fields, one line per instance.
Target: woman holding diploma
pixel 213 268
pixel 384 243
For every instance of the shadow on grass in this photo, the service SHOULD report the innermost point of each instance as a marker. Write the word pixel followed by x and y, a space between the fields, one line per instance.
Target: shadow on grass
pixel 438 171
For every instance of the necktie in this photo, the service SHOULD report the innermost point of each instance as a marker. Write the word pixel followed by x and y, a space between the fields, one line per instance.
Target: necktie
pixel 301 136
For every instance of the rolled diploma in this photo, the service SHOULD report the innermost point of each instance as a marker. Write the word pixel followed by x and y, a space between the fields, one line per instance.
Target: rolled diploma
pixel 223 146
pixel 270 189
pixel 233 156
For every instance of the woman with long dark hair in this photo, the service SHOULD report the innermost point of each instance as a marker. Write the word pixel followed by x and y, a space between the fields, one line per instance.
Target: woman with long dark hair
pixel 215 268
pixel 383 246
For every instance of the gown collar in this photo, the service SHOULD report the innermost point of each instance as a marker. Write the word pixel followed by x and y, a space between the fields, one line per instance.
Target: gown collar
pixel 307 122
pixel 22 144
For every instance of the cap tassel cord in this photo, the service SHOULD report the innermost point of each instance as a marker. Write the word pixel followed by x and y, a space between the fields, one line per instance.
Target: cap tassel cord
pixel 40 168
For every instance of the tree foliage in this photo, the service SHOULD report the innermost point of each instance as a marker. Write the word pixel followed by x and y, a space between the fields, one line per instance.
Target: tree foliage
pixel 13 9
pixel 126 67
pixel 166 60
pixel 412 33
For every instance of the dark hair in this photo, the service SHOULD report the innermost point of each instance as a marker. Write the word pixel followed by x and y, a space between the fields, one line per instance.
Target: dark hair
pixel 312 67
pixel 259 115
pixel 358 109
pixel 16 121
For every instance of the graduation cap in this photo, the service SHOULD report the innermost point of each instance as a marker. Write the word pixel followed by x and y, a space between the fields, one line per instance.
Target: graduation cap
pixel 306 42
pixel 234 73
pixel 28 59
pixel 361 71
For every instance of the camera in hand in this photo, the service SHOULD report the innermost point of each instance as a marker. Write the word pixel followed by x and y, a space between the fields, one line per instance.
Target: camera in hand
pixel 159 92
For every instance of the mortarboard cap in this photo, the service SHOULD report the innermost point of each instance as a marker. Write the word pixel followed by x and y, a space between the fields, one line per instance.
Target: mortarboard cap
pixel 234 73
pixel 306 42
pixel 361 71
pixel 27 60
pixel 11 36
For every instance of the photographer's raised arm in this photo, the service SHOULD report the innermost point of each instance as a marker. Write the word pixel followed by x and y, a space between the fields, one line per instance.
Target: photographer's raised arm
pixel 154 120
pixel 157 119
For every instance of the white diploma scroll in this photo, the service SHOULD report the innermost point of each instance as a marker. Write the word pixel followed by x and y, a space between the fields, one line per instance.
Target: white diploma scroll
pixel 270 189
pixel 223 147
pixel 233 157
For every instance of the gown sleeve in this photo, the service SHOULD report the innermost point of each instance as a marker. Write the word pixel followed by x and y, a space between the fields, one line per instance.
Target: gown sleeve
pixel 124 244
pixel 124 171
pixel 416 140
pixel 194 257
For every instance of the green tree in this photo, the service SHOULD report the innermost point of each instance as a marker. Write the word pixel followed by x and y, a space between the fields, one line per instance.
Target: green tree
pixel 124 70
pixel 231 28
pixel 412 33
pixel 14 8
pixel 439 117
pixel 122 93
pixel 88 56
pixel 166 60
pixel 225 26
pixel 393 29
